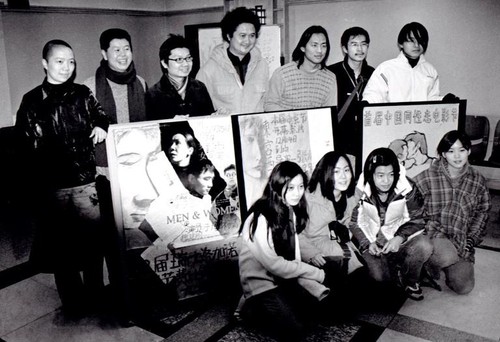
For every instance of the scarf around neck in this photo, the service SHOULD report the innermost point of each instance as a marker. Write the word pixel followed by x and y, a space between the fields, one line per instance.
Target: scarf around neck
pixel 135 91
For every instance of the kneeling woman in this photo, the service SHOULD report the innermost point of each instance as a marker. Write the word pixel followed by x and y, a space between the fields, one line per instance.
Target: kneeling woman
pixel 388 224
pixel 271 271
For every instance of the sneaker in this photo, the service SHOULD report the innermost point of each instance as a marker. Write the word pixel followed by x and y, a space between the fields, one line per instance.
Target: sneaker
pixel 414 292
pixel 429 281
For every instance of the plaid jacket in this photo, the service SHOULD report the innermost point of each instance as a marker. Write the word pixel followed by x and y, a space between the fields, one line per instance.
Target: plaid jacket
pixel 457 209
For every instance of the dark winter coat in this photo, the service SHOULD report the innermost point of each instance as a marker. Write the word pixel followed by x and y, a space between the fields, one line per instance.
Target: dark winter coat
pixel 164 102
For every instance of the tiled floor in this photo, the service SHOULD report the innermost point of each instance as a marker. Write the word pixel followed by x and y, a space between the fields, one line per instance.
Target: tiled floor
pixel 30 308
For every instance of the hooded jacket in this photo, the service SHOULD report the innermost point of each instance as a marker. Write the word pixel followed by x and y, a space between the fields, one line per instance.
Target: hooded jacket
pixel 224 84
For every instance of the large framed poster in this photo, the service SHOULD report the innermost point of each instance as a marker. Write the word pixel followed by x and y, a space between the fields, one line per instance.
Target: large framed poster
pixel 175 195
pixel 412 130
pixel 265 139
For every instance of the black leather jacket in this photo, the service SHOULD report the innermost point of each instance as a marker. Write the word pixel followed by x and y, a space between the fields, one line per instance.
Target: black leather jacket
pixel 54 124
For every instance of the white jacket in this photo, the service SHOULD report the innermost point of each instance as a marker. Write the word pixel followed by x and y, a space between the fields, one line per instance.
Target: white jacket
pixel 396 81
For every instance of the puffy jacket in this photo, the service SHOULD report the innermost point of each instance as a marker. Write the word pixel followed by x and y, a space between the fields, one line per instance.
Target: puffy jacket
pixel 404 216
pixel 54 125
pixel 224 84
pixel 396 81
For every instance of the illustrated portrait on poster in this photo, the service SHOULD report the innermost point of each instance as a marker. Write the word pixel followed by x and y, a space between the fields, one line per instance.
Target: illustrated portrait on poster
pixel 412 131
pixel 265 139
pixel 175 192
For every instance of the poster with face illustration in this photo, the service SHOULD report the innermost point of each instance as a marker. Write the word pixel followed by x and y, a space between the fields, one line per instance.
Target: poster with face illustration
pixel 175 194
pixel 265 139
pixel 411 130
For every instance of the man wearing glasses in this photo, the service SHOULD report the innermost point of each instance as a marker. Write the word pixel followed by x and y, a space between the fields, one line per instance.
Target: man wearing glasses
pixel 177 95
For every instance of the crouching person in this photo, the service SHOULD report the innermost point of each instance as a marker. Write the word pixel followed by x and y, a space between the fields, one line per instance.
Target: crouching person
pixel 279 289
pixel 457 202
pixel 388 223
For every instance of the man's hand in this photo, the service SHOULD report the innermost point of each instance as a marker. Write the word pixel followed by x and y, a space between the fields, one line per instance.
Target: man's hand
pixel 98 135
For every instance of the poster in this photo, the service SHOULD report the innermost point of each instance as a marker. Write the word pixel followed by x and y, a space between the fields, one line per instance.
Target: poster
pixel 175 194
pixel 412 131
pixel 301 136
pixel 269 44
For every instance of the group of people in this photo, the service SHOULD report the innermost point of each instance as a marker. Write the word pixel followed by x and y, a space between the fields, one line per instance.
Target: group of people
pixel 305 244
pixel 62 128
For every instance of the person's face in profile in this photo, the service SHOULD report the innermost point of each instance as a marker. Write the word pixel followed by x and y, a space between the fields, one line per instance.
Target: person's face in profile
pixel 251 150
pixel 179 151
pixel 202 183
pixel 135 150
pixel 412 148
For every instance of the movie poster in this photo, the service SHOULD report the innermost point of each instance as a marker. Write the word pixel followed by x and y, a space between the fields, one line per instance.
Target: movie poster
pixel 301 136
pixel 175 194
pixel 412 131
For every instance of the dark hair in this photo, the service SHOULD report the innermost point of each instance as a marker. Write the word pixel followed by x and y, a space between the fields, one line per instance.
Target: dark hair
pixel 230 167
pixel 113 33
pixel 49 46
pixel 272 203
pixel 381 157
pixel 353 32
pixel 168 130
pixel 47 51
pixel 450 138
pixel 419 32
pixel 298 54
pixel 173 41
pixel 198 167
pixel 238 16
pixel 323 175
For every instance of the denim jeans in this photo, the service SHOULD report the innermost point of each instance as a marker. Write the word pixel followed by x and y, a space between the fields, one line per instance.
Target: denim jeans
pixel 459 273
pixel 409 259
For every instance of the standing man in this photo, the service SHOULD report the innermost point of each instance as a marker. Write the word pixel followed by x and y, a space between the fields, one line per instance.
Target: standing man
pixel 352 75
pixel 408 77
pixel 236 74
pixel 116 86
pixel 305 82
pixel 120 91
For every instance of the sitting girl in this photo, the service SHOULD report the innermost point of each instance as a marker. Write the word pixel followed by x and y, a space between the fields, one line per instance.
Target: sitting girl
pixel 273 278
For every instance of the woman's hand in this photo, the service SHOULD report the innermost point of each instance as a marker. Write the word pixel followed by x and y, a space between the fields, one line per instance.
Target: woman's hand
pixel 392 245
pixel 98 135
pixel 373 249
pixel 318 261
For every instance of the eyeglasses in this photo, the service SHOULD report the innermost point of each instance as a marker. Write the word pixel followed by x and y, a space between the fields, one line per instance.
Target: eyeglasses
pixel 179 60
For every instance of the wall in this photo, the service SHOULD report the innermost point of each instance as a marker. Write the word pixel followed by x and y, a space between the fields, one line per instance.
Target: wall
pixel 464 43
pixel 25 33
